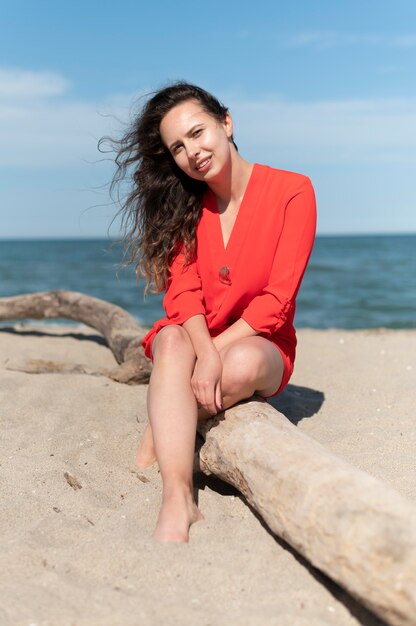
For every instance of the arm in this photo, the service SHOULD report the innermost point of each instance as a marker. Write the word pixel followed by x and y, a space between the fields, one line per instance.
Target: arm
pixel 206 377
pixel 268 311
pixel 183 297
pixel 238 330
pixel 184 305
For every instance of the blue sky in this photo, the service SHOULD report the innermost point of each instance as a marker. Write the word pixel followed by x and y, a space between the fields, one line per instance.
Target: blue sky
pixel 324 88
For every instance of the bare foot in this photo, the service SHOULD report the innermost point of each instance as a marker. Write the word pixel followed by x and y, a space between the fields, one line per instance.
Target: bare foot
pixel 145 456
pixel 177 514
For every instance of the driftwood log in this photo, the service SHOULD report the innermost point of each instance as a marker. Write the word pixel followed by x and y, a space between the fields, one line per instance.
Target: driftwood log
pixel 121 331
pixel 357 530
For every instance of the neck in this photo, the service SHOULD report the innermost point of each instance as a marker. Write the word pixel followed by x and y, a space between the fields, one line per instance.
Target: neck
pixel 231 186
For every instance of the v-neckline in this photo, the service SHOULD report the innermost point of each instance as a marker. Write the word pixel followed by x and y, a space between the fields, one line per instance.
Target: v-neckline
pixel 239 217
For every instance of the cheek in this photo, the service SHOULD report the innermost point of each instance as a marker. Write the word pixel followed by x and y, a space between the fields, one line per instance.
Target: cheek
pixel 210 139
pixel 182 161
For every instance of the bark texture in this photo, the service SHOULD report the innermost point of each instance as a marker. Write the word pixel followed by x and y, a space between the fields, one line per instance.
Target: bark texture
pixel 121 331
pixel 358 531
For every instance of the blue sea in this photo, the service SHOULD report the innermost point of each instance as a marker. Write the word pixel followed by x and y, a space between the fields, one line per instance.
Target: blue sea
pixel 351 281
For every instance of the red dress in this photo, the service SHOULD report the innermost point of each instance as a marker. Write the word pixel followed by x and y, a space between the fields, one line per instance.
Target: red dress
pixel 257 276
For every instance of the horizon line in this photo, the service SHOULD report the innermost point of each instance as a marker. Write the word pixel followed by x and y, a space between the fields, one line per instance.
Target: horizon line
pixel 115 239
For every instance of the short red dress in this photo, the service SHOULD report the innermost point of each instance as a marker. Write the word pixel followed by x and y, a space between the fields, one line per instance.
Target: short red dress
pixel 257 276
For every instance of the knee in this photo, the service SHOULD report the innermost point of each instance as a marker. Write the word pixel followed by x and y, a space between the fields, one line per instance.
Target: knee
pixel 241 365
pixel 171 340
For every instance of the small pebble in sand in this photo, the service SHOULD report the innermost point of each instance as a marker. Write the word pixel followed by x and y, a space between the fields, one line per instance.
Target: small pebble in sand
pixel 72 481
pixel 143 478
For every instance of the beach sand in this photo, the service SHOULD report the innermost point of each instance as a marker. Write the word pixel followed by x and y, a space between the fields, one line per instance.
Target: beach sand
pixel 77 516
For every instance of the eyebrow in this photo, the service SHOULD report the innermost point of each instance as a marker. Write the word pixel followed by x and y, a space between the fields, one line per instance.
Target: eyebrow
pixel 190 131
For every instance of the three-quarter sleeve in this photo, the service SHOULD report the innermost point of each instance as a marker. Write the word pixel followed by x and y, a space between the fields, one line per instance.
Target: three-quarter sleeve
pixel 269 310
pixel 183 297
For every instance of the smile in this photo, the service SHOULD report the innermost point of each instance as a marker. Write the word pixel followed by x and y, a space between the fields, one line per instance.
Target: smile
pixel 203 164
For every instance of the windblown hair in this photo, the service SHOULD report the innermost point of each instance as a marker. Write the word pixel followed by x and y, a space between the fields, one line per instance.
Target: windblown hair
pixel 162 210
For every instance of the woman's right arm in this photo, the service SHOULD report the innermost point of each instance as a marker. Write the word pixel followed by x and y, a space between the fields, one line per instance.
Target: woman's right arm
pixel 206 377
pixel 184 305
pixel 183 297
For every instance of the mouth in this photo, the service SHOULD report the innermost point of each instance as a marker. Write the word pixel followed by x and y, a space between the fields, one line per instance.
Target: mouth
pixel 203 164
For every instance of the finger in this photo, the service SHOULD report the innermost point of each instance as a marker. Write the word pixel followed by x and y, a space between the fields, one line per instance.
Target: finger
pixel 209 401
pixel 199 394
pixel 218 397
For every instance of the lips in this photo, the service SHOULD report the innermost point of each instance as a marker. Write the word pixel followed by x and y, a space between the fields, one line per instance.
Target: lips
pixel 201 164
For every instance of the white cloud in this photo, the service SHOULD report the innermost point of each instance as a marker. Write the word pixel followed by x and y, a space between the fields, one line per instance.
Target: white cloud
pixel 389 68
pixel 351 131
pixel 45 135
pixel 404 41
pixel 332 39
pixel 45 130
pixel 49 133
pixel 40 131
pixel 17 84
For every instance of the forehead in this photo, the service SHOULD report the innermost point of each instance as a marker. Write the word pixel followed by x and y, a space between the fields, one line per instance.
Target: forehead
pixel 181 118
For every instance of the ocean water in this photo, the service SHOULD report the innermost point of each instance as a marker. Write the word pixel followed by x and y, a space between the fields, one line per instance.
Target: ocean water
pixel 351 281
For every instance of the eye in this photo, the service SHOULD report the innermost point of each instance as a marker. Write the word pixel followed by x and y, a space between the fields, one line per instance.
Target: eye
pixel 176 149
pixel 197 132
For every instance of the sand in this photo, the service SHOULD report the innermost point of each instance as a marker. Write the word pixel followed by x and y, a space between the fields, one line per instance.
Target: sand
pixel 77 516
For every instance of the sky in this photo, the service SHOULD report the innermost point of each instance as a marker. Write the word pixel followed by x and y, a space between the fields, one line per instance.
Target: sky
pixel 325 88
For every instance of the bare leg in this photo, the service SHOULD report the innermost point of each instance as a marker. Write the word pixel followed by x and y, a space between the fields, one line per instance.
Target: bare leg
pixel 146 455
pixel 264 375
pixel 172 412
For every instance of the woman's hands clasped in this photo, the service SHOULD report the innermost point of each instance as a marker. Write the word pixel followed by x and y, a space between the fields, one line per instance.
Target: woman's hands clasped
pixel 206 381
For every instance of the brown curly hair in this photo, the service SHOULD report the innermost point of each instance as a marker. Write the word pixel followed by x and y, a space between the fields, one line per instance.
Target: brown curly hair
pixel 162 210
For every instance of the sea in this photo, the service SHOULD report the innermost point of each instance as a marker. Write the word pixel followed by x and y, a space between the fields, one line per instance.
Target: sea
pixel 351 282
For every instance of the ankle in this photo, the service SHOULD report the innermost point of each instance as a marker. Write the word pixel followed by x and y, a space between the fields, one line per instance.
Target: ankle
pixel 177 490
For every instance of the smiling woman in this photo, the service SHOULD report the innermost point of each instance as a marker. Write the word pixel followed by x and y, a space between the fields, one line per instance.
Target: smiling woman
pixel 228 241
pixel 164 205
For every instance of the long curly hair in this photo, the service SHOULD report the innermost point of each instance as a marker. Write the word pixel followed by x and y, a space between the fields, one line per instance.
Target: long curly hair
pixel 162 209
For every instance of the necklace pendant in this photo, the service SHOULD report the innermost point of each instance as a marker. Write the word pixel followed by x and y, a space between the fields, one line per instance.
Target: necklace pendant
pixel 224 275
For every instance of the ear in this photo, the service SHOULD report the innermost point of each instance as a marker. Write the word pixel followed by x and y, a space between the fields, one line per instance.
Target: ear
pixel 228 125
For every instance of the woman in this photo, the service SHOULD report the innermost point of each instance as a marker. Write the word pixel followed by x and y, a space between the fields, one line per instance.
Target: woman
pixel 228 241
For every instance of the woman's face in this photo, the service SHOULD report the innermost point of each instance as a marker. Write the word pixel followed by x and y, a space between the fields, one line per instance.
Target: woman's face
pixel 198 142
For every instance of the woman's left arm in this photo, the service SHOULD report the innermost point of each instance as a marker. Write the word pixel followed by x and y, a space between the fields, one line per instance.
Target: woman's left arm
pixel 268 311
pixel 238 330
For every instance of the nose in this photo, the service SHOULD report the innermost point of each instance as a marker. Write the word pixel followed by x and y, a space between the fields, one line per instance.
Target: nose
pixel 192 151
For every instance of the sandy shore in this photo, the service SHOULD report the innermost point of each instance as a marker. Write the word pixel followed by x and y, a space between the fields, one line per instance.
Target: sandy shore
pixel 76 515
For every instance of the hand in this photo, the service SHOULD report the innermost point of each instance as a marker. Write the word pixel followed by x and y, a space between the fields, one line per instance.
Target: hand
pixel 206 381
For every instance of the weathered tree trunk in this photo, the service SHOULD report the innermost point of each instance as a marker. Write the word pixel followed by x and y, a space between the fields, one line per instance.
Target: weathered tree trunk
pixel 121 331
pixel 348 524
